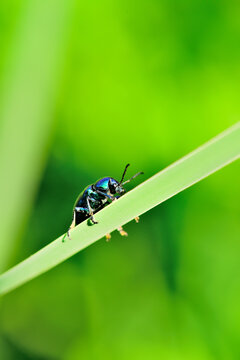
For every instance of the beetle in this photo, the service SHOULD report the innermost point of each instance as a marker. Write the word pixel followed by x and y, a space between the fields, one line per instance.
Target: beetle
pixel 95 197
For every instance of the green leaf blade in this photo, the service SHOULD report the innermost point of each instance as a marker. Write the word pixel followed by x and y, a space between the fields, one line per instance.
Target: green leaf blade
pixel 182 174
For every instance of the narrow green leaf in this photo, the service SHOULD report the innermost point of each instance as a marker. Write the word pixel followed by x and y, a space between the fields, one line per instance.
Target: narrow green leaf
pixel 205 160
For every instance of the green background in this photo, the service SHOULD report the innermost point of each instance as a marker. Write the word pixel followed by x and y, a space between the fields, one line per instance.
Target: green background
pixel 101 84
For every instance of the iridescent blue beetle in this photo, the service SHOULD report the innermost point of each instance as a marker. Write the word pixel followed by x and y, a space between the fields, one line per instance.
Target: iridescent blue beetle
pixel 95 197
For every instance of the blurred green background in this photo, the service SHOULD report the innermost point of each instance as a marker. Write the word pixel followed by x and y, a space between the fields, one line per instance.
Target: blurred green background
pixel 86 87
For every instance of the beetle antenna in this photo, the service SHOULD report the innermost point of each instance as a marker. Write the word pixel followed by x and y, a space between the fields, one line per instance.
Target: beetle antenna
pixel 133 177
pixel 124 173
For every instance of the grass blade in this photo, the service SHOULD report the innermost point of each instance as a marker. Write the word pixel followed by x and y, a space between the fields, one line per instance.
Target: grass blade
pixel 202 162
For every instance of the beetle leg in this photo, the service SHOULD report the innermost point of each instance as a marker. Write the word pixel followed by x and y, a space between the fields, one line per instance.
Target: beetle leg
pixel 122 232
pixel 108 237
pixel 91 211
pixel 70 227
pixel 106 195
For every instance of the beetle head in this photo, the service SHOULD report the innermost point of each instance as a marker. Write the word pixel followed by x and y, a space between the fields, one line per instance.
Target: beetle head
pixel 115 187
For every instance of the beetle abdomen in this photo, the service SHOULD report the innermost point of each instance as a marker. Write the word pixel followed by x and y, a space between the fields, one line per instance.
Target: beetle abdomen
pixel 80 217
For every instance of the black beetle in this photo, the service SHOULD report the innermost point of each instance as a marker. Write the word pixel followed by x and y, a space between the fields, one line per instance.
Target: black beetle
pixel 95 197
